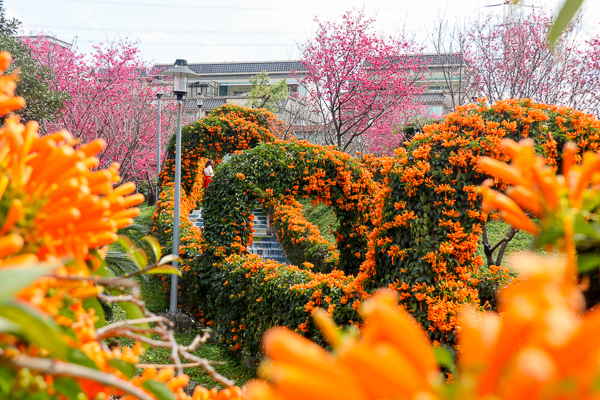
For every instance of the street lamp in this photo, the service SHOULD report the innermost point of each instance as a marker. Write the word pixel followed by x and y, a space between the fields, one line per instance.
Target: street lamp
pixel 200 103
pixel 180 73
pixel 159 96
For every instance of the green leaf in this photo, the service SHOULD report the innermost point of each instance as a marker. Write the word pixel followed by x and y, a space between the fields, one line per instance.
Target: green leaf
pixel 155 245
pixel 126 368
pixel 165 269
pixel 135 312
pixel 169 258
pixel 588 263
pixel 158 390
pixel 134 253
pixel 93 302
pixel 139 257
pixel 37 329
pixel 12 280
pixel 125 242
pixel 101 271
pixel 564 17
pixel 67 387
pixel 78 357
pixel 444 358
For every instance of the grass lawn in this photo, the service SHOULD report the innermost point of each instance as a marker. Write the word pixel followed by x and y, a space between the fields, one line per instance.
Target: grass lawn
pixel 496 231
pixel 322 216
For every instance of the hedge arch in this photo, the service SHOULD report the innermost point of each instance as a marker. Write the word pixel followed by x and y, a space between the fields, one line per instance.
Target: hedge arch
pixel 420 213
pixel 429 218
pixel 271 171
pixel 229 128
pixel 254 294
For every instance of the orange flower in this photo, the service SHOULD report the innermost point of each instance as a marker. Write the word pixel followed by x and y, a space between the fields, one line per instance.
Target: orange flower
pixel 541 341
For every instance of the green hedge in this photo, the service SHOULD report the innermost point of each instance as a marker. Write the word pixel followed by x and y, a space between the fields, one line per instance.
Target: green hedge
pixel 300 239
pixel 431 210
pixel 243 296
pixel 282 169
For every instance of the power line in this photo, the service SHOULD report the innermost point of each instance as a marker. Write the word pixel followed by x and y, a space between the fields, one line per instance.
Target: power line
pixel 127 3
pixel 173 44
pixel 82 28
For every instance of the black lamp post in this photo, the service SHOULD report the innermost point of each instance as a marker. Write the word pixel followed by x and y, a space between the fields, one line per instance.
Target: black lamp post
pixel 159 96
pixel 180 73
pixel 200 103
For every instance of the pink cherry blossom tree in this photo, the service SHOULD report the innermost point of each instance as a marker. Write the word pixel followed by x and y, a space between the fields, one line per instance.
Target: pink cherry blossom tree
pixel 509 57
pixel 360 83
pixel 110 97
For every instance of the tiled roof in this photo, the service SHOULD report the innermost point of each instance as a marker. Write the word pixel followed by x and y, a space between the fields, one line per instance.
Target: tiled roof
pixel 240 68
pixel 431 98
pixel 209 104
pixel 190 103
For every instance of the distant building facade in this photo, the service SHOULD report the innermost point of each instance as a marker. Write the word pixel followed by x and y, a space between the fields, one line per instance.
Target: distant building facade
pixel 229 82
pixel 446 80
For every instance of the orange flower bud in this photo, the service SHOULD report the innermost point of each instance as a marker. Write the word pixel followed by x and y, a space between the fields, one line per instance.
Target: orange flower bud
pixel 387 323
pixel 526 198
pixel 383 372
pixel 520 222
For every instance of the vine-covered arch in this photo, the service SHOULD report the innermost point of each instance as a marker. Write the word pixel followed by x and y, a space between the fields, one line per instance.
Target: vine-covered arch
pixel 229 128
pixel 243 295
pixel 271 171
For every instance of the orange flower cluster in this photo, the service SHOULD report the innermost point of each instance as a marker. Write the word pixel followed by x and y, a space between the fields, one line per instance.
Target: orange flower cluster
pixel 56 205
pixel 547 351
pixel 56 208
pixel 556 200
pixel 300 238
pixel 428 218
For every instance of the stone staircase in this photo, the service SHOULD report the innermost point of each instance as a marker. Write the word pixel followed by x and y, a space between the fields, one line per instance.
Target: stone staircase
pixel 265 245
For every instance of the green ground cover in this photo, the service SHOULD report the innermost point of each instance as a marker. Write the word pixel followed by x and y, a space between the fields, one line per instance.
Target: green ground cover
pixel 496 231
pixel 322 216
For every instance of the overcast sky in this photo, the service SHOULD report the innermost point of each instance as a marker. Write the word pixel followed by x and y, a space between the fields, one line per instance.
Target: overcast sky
pixel 236 30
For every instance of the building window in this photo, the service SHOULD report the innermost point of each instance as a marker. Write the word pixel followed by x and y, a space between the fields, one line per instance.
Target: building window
pixel 237 93
pixel 222 90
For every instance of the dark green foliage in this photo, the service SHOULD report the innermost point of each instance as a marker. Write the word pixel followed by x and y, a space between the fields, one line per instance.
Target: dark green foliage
pixel 43 103
pixel 253 296
pixel 227 129
pixel 229 200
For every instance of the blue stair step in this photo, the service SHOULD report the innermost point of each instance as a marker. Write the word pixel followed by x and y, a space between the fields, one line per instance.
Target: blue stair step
pixel 266 246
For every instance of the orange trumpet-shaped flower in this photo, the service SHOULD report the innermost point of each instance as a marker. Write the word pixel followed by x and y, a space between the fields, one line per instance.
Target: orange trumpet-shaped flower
pixel 392 359
pixel 558 201
pixel 539 345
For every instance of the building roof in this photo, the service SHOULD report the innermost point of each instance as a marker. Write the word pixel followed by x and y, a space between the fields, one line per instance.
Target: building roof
pixel 46 38
pixel 239 67
pixel 209 104
pixel 431 98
